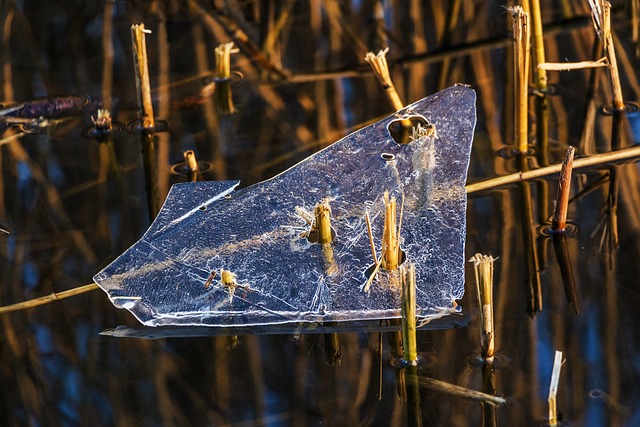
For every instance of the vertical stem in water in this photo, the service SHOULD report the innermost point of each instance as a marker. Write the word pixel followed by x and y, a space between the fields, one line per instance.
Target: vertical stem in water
pixel 414 411
pixel 566 271
pixel 408 303
pixel 483 266
pixel 553 388
pixel 141 66
pixel 601 14
pixel 521 37
pixel 559 222
pixel 191 163
pixel 528 235
pixel 323 221
pixel 224 98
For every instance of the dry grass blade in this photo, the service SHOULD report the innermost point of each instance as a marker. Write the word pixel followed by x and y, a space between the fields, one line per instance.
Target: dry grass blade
pixel 48 298
pixel 585 162
pixel 568 66
pixel 457 390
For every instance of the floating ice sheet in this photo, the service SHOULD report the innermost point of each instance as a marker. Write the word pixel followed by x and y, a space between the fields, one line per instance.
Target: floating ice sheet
pixel 174 274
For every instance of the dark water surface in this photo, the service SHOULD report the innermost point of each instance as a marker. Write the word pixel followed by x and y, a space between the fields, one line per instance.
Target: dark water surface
pixel 74 204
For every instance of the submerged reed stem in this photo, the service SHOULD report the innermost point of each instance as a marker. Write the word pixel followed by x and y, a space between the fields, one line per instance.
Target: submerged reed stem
pixel 483 266
pixel 223 95
pixel 408 305
pixel 457 390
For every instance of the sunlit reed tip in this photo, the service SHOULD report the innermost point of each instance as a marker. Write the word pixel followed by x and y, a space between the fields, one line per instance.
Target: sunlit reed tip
pixel 553 388
pixel 143 85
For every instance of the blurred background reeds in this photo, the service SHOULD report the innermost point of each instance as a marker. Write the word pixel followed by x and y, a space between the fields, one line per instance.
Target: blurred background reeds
pixel 299 82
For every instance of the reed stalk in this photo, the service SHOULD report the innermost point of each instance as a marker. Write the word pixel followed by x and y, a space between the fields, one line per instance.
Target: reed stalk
pixel 553 388
pixel 457 390
pixel 408 309
pixel 48 298
pixel 408 378
pixel 483 266
pixel 332 349
pixel 534 283
pixel 390 238
pixel 223 95
pixel 143 86
pixel 521 39
pixel 323 221
pixel 578 164
pixel 566 270
pixel 147 120
pixel 601 15
pixel 191 163
pixel 149 159
pixel 380 67
pixel 559 221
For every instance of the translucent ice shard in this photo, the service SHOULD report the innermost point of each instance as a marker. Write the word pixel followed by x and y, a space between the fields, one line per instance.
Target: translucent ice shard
pixel 219 257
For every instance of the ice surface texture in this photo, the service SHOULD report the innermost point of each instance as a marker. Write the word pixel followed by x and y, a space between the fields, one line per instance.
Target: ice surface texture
pixel 257 233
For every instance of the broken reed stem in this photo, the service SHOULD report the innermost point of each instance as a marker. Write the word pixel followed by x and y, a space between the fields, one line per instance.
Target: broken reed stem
pixel 521 38
pixel 601 16
pixel 323 221
pixel 223 60
pixel 584 162
pixel 390 248
pixel 380 68
pixel 559 221
pixel 483 266
pixel 143 86
pixel 223 95
pixel 408 308
pixel 457 390
pixel 193 170
pixel 553 388
pixel 569 66
pixel 48 298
